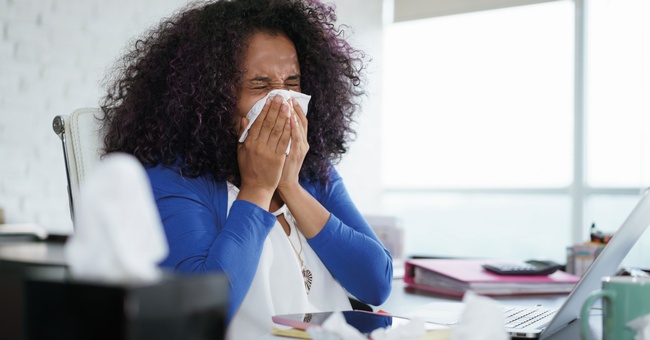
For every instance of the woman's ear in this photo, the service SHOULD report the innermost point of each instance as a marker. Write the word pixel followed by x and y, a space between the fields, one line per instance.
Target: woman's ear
pixel 243 122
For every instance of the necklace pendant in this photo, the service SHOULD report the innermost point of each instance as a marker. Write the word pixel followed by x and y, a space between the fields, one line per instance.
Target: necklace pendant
pixel 307 277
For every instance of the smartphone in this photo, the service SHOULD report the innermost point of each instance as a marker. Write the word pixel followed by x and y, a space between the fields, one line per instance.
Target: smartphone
pixel 364 322
pixel 530 267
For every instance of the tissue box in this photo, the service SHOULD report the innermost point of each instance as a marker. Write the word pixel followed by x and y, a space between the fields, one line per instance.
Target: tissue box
pixel 189 307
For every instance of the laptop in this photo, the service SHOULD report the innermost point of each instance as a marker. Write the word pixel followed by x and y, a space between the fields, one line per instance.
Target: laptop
pixel 543 322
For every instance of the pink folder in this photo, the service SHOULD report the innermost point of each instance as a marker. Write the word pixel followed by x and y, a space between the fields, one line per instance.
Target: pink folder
pixel 456 276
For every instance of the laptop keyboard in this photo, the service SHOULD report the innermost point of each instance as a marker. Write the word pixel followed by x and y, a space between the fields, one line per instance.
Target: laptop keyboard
pixel 518 317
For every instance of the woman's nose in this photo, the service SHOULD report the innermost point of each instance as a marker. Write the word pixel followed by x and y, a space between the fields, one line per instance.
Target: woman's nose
pixel 279 86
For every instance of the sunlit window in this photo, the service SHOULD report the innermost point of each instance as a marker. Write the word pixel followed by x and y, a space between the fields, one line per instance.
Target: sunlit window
pixel 481 99
pixel 618 106
pixel 478 127
pixel 618 65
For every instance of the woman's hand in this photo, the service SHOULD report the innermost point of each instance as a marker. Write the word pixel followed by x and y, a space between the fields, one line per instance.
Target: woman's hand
pixel 261 156
pixel 308 212
pixel 299 148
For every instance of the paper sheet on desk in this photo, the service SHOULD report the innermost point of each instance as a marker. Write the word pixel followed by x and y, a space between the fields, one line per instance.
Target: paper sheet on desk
pixel 441 312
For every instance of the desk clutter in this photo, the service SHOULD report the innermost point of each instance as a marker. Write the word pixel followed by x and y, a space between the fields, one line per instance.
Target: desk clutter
pixel 580 256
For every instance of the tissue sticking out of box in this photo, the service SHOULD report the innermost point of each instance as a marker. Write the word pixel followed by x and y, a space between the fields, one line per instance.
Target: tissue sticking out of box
pixel 118 234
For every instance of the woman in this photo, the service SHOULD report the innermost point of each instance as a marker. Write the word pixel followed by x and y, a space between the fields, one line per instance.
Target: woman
pixel 280 225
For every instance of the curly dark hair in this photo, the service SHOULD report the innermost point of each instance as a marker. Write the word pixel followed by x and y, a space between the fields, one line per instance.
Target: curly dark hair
pixel 172 98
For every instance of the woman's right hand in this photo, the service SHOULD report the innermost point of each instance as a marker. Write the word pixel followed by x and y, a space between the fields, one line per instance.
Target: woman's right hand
pixel 262 155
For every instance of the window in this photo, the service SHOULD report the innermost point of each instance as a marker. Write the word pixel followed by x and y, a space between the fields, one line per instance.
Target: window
pixel 618 120
pixel 478 129
pixel 481 99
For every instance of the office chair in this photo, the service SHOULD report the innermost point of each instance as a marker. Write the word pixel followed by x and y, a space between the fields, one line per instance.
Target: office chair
pixel 81 137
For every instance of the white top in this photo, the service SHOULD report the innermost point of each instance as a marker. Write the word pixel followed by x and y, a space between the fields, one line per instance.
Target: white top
pixel 278 286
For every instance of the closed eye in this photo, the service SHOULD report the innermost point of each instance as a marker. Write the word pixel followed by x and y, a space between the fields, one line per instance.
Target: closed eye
pixel 265 83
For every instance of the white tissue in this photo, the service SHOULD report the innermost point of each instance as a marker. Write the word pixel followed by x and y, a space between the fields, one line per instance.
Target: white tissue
pixel 642 327
pixel 413 330
pixel 335 328
pixel 482 318
pixel 118 235
pixel 301 98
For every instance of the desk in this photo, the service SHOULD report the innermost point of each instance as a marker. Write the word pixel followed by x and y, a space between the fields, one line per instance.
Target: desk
pixel 18 258
pixel 404 301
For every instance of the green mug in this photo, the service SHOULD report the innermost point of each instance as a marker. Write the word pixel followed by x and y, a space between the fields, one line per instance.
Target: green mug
pixel 625 298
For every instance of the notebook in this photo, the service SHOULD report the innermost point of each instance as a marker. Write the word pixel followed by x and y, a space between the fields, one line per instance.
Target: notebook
pixel 543 322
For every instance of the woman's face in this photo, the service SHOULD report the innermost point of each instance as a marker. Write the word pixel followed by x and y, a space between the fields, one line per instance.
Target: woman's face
pixel 270 63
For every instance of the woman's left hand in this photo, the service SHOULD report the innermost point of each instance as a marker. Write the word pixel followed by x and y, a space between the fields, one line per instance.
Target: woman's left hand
pixel 299 148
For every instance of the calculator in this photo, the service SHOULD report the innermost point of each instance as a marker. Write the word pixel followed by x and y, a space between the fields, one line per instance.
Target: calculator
pixel 530 267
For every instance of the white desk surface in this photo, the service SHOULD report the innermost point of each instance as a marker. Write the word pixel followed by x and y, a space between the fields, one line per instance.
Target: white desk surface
pixel 405 301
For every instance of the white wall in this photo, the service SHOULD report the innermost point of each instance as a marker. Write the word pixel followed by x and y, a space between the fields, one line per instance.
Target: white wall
pixel 360 168
pixel 53 56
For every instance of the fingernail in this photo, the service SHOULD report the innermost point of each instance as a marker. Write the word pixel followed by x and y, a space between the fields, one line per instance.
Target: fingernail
pixel 277 99
pixel 285 108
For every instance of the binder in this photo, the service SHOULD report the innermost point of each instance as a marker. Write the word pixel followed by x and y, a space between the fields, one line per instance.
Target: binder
pixel 456 276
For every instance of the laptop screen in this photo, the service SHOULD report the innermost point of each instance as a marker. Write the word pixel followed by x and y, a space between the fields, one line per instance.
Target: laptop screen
pixel 606 264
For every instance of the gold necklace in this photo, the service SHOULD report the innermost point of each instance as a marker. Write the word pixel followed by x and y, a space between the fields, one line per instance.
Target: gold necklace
pixel 306 273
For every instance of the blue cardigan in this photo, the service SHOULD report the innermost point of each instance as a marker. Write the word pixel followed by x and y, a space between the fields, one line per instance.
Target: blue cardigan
pixel 203 237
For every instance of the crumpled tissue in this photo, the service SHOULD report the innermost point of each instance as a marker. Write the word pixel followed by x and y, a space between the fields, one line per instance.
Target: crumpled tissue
pixel 482 318
pixel 254 112
pixel 118 234
pixel 414 330
pixel 642 327
pixel 336 328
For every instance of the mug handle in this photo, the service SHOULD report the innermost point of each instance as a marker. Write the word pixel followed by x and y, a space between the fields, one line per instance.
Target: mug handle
pixel 586 308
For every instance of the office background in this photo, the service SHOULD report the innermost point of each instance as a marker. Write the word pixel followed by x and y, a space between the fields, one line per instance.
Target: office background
pixel 56 53
pixel 449 134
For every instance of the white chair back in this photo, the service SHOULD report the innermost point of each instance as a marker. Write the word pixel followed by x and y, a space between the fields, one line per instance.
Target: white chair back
pixel 81 136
